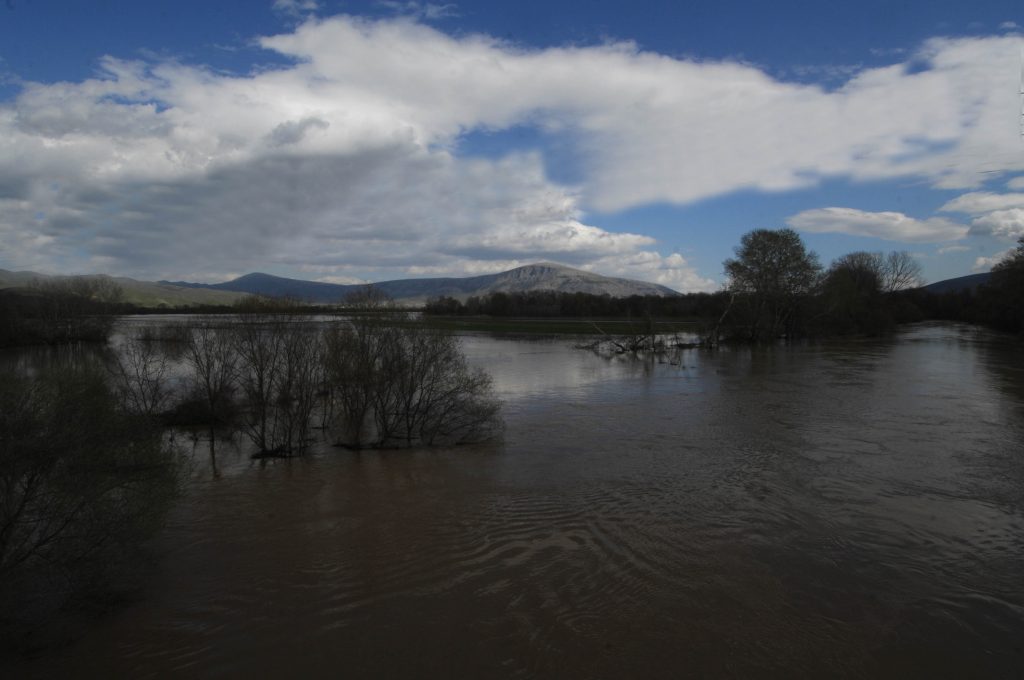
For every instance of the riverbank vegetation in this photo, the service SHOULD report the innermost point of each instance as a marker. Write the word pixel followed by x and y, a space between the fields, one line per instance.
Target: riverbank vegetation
pixel 83 483
pixel 776 288
pixel 998 303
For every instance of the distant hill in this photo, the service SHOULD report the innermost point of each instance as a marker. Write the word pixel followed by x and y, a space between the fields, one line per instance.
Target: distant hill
pixel 141 293
pixel 543 276
pixel 971 281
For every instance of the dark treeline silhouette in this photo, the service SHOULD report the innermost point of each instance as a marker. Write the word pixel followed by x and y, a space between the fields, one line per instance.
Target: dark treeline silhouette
pixel 60 311
pixel 552 304
pixel 998 303
pixel 777 288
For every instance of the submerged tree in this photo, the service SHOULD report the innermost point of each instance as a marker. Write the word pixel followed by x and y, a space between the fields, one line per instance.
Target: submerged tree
pixel 398 383
pixel 772 275
pixel 279 372
pixel 140 371
pixel 209 352
pixel 858 291
pixel 852 294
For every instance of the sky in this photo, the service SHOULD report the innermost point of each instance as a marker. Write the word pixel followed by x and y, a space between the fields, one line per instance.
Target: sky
pixel 381 139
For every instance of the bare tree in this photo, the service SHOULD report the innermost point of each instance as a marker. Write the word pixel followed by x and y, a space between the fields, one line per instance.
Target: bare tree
pixel 258 345
pixel 355 371
pixel 401 384
pixel 140 376
pixel 280 372
pixel 298 383
pixel 209 351
pixel 899 271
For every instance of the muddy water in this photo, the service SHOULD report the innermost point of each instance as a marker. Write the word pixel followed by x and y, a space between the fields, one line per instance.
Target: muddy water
pixel 852 510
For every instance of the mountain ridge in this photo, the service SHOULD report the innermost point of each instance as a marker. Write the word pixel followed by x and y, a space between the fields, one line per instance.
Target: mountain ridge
pixel 539 276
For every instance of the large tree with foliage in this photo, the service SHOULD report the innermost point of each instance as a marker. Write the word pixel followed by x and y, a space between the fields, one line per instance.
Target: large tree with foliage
pixel 771 276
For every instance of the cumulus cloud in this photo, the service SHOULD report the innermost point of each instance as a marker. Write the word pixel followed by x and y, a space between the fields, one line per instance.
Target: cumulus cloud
pixel 984 264
pixel 978 202
pixel 891 226
pixel 997 215
pixel 672 271
pixel 345 157
pixel 1003 224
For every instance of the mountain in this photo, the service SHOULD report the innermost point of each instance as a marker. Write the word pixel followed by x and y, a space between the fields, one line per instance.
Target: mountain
pixel 971 281
pixel 141 293
pixel 543 276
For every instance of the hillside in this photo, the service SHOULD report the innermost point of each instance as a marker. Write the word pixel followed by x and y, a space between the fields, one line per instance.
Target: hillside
pixel 141 293
pixel 971 281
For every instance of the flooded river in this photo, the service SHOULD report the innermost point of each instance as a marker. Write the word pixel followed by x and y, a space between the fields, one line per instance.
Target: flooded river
pixel 846 510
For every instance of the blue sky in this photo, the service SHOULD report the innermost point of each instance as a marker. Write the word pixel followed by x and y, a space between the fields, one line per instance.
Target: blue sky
pixel 348 141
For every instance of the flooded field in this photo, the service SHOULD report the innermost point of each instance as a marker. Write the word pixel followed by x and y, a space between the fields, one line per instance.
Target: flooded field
pixel 842 510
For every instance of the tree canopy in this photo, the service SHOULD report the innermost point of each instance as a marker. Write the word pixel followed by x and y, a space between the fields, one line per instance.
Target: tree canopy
pixel 772 272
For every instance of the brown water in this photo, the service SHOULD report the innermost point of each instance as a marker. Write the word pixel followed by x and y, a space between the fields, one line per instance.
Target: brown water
pixel 849 510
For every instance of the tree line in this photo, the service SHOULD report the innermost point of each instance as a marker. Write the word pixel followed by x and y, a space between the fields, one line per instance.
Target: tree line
pixel 60 311
pixel 553 304
pixel 777 288
pixel 998 303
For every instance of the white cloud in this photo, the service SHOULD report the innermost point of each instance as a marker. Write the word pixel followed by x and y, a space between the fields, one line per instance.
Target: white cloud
pixel 427 11
pixel 1016 183
pixel 983 264
pixel 295 7
pixel 945 250
pixel 345 157
pixel 341 280
pixel 1008 26
pixel 978 202
pixel 1004 224
pixel 672 271
pixel 653 128
pixel 997 215
pixel 892 226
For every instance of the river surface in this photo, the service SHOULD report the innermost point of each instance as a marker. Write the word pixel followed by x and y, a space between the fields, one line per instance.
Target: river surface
pixel 844 510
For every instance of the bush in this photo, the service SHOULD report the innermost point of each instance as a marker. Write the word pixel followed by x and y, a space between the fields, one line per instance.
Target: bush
pixel 397 383
pixel 83 484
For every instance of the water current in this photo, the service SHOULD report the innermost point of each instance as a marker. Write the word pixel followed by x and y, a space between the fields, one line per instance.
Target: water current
pixel 844 510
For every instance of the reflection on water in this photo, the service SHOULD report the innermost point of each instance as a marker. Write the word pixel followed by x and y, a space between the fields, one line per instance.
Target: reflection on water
pixel 848 510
